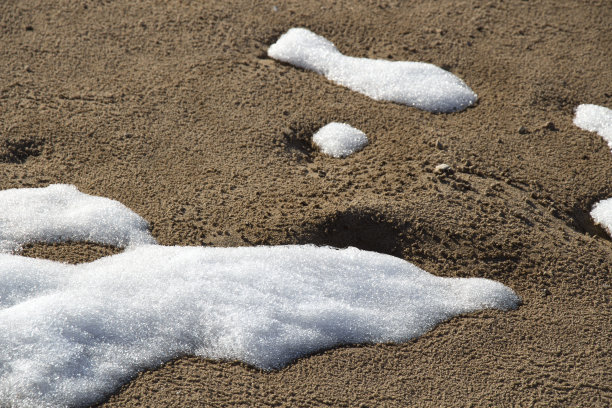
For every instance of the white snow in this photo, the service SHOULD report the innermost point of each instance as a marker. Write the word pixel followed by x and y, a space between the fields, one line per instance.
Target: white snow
pixel 60 212
pixel 339 139
pixel 595 118
pixel 417 84
pixel 598 119
pixel 602 214
pixel 70 335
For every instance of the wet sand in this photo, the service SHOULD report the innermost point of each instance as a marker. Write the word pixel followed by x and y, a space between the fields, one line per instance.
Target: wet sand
pixel 174 109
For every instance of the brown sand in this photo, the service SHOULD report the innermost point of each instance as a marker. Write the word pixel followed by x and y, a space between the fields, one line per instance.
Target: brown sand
pixel 174 109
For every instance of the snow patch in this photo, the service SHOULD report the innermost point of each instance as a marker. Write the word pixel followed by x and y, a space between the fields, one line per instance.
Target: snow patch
pixel 602 214
pixel 60 213
pixel 73 334
pixel 70 335
pixel 422 85
pixel 595 118
pixel 339 139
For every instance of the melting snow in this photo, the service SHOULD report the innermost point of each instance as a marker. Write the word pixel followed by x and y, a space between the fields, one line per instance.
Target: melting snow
pixel 339 139
pixel 70 335
pixel 417 84
pixel 595 118
pixel 62 213
pixel 602 214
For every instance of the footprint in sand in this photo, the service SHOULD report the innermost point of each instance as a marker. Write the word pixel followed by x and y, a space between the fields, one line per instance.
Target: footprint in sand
pixel 73 334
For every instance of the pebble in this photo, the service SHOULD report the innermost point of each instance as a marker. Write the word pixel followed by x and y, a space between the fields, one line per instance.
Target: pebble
pixel 550 126
pixel 443 169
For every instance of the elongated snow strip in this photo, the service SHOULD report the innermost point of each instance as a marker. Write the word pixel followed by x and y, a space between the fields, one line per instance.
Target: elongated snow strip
pixel 422 85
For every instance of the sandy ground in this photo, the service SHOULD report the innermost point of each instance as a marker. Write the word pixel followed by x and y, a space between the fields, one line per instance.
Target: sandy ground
pixel 173 108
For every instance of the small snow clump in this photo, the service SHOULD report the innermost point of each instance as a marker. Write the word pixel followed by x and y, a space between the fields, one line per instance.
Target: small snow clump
pixel 339 139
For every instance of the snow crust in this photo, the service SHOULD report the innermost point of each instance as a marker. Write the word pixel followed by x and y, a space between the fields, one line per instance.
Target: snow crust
pixel 422 85
pixel 60 212
pixel 595 118
pixel 339 139
pixel 602 214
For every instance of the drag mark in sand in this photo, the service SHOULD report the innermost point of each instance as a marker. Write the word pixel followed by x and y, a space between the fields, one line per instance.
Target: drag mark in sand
pixel 422 85
pixel 71 335
pixel 339 139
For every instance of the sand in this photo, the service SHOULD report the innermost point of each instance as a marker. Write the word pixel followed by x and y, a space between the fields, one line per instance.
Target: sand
pixel 174 109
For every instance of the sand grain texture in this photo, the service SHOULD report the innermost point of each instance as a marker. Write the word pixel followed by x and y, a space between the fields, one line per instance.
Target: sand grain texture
pixel 173 109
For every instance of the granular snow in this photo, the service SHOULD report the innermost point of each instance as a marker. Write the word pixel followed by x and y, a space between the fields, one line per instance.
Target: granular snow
pixel 339 139
pixel 422 85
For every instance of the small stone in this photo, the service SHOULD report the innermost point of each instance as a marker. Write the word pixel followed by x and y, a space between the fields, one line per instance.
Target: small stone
pixel 439 145
pixel 550 126
pixel 443 169
pixel 29 28
pixel 522 130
